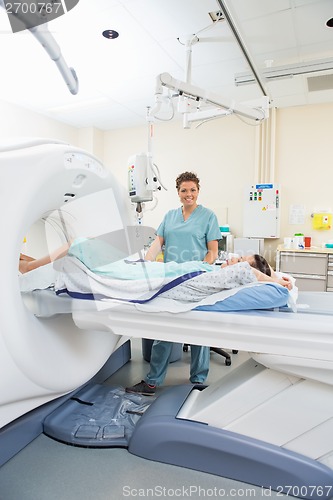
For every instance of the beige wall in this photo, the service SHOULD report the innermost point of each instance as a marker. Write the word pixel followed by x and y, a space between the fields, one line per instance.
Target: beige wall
pixel 304 165
pixel 221 152
pixel 19 122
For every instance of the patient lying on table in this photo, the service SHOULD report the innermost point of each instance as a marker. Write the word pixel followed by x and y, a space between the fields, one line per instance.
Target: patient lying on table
pixel 85 271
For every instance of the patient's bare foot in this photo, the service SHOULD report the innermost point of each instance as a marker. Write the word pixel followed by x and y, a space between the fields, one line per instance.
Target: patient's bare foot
pixel 24 263
pixel 26 257
pixel 23 266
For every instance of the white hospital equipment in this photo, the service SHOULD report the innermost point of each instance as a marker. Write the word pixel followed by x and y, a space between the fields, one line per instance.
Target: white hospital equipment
pixel 45 359
pixel 261 211
pixel 140 178
pixel 45 38
pixel 143 174
pixel 225 244
pixel 47 41
pixel 249 246
pixel 143 177
pixel 199 94
pixel 269 423
pixel 198 104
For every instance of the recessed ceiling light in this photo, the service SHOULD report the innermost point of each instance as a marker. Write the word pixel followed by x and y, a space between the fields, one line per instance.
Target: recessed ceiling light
pixel 110 34
pixel 329 23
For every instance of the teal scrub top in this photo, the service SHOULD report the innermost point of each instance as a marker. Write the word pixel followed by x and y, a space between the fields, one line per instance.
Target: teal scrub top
pixel 187 240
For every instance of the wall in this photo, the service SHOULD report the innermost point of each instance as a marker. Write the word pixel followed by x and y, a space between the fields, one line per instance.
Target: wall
pixel 222 153
pixel 92 140
pixel 18 122
pixel 304 165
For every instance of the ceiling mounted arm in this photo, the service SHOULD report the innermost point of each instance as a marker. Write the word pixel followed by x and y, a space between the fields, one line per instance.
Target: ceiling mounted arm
pixel 241 45
pixel 45 38
pixel 188 90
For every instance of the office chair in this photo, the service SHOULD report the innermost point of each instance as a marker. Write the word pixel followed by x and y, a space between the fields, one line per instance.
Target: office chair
pixel 219 351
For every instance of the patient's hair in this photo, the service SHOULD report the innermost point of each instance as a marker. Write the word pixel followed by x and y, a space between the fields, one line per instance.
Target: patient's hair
pixel 260 263
pixel 186 177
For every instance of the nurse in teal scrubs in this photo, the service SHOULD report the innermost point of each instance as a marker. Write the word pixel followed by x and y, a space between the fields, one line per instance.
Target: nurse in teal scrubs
pixel 190 232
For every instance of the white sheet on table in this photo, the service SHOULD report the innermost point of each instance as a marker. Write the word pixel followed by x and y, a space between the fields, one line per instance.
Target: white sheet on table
pixel 38 279
pixel 70 273
pixel 75 277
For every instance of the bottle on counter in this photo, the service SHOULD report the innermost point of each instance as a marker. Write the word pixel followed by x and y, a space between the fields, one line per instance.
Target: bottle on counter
pixel 298 241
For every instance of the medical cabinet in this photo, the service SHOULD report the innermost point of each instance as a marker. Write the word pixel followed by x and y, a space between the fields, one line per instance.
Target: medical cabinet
pixel 261 211
pixel 312 269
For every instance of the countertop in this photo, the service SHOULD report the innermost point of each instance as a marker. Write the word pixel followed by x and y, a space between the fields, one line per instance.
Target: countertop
pixel 281 248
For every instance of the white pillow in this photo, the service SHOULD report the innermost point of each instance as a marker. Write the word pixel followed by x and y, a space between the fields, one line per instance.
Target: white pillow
pixel 293 293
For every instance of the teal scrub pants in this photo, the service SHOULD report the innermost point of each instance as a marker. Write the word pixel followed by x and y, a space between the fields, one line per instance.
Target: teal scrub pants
pixel 159 360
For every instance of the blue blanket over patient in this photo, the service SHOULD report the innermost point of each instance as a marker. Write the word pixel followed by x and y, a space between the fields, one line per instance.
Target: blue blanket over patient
pixel 87 273
pixel 95 255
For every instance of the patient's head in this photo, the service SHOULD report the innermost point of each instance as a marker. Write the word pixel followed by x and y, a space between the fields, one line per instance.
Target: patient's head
pixel 260 263
pixel 257 261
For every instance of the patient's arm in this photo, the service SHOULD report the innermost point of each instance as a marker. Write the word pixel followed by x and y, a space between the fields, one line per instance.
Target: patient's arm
pixel 27 263
pixel 284 280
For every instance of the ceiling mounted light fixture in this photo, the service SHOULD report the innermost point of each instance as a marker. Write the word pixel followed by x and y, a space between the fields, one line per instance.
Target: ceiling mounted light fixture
pixel 329 23
pixel 110 34
pixel 286 71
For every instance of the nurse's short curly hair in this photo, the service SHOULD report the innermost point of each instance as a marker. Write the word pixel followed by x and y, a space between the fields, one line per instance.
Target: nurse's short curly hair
pixel 186 177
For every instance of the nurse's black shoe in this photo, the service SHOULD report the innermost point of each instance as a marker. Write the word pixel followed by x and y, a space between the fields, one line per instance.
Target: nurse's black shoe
pixel 142 388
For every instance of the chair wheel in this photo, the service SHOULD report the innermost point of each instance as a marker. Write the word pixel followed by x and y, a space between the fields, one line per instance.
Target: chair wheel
pixel 234 351
pixel 228 361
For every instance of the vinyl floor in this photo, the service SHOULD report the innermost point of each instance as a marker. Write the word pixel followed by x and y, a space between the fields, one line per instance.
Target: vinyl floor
pixel 49 470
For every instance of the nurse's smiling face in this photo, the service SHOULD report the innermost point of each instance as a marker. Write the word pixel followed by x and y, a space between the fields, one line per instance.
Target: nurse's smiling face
pixel 188 194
